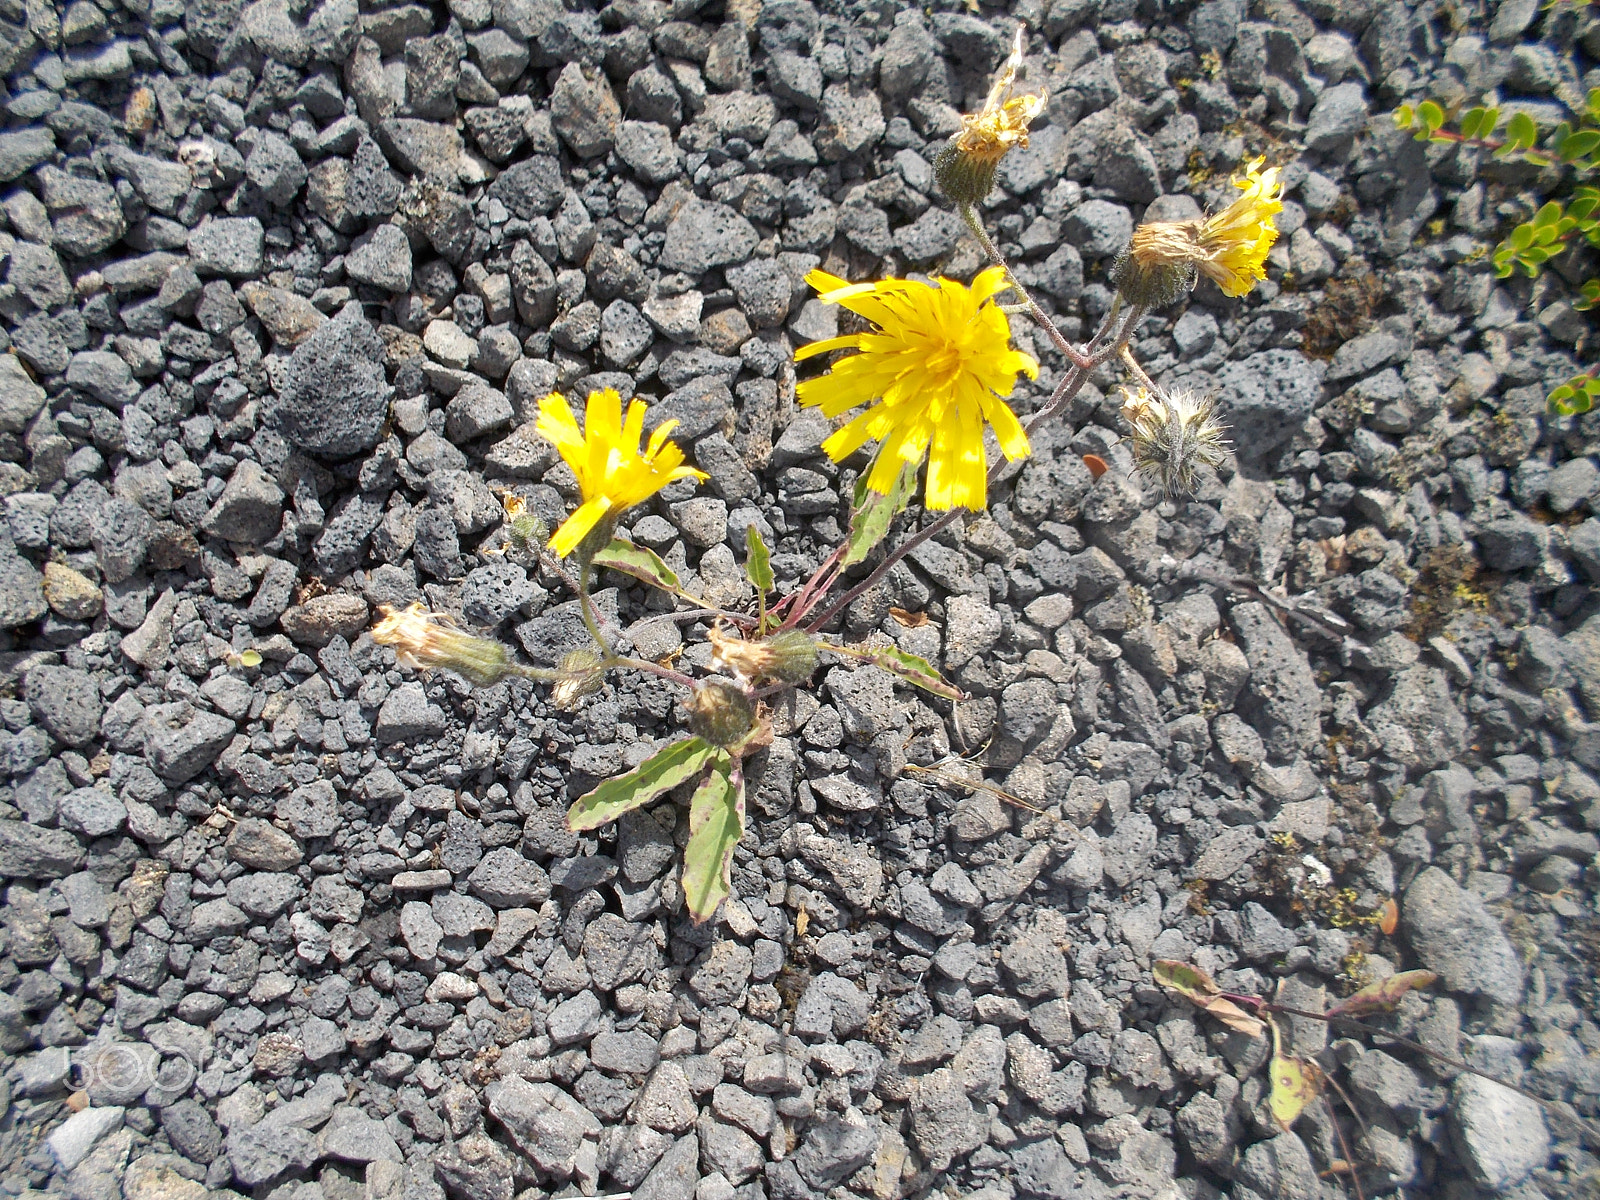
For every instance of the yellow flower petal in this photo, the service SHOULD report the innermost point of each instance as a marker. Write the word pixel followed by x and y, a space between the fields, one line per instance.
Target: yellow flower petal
pixel 1232 246
pixel 576 527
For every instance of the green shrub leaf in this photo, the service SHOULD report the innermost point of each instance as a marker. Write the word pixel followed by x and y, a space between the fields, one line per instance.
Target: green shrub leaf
pixel 1432 115
pixel 656 776
pixel 716 823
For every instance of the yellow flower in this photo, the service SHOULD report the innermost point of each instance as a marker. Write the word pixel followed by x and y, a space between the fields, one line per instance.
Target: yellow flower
pixel 965 167
pixel 612 473
pixel 1231 247
pixel 1235 242
pixel 937 363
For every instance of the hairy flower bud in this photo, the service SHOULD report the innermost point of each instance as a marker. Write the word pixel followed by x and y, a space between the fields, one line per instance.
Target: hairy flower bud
pixel 720 713
pixel 423 640
pixel 965 168
pixel 1159 264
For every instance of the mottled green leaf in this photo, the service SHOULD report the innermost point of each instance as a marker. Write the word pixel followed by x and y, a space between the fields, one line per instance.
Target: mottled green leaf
pixel 1296 1082
pixel 872 514
pixel 916 671
pixel 716 823
pixel 757 562
pixel 643 564
pixel 656 776
pixel 1382 995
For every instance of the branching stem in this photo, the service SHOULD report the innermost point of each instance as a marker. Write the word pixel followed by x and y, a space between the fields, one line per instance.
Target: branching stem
pixel 1029 305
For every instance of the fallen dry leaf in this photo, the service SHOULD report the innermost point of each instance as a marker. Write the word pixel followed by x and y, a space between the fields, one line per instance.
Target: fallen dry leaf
pixel 909 620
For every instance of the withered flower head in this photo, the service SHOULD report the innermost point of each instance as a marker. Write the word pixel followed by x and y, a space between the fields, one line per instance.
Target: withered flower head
pixel 720 713
pixel 1230 247
pixel 965 167
pixel 1159 265
pixel 788 657
pixel 423 640
pixel 581 675
pixel 1173 435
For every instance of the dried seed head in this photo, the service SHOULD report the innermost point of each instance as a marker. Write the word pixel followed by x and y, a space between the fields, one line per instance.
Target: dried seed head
pixel 423 640
pixel 788 657
pixel 1173 435
pixel 965 168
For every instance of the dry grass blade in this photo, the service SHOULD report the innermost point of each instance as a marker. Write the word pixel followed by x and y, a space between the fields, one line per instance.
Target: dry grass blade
pixel 951 779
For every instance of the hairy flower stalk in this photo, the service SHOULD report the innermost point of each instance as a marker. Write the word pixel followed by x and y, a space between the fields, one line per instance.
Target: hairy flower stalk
pixel 1173 435
pixel 966 166
pixel 934 368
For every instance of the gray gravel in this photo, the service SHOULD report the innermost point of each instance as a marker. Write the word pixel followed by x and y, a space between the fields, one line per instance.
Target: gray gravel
pixel 282 287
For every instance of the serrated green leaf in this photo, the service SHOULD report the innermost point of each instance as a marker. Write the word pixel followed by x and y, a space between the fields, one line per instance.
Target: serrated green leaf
pixel 638 561
pixel 656 776
pixel 1432 115
pixel 918 672
pixel 872 514
pixel 757 562
pixel 716 823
